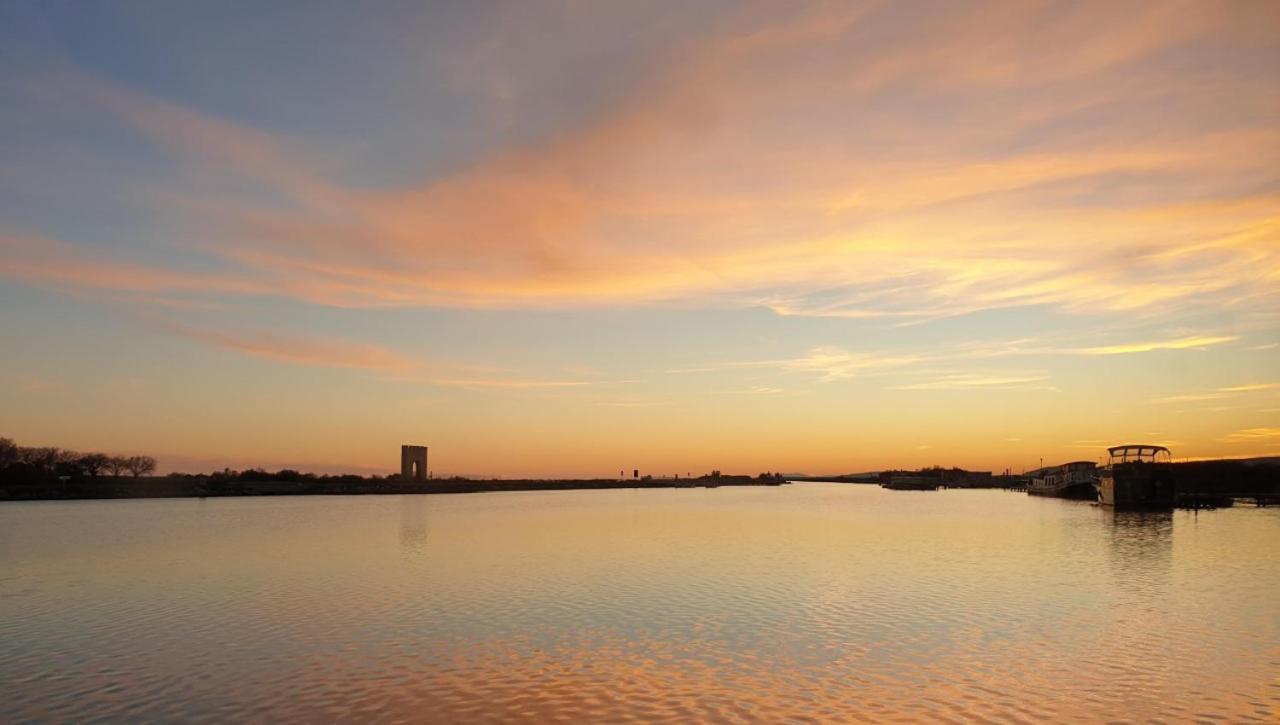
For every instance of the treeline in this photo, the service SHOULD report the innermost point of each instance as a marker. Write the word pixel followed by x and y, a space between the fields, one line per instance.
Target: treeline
pixel 286 475
pixel 764 476
pixel 24 465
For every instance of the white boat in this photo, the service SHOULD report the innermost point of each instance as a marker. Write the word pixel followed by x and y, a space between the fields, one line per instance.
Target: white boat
pixel 1076 480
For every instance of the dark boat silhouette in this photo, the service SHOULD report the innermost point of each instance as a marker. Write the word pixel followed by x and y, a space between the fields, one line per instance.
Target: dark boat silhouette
pixel 1137 475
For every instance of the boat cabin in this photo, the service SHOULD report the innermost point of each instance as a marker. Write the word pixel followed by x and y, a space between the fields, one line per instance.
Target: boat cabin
pixel 1138 453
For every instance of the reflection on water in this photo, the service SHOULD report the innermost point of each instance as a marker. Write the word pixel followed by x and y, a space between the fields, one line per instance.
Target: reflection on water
pixel 833 601
pixel 1141 544
pixel 413 524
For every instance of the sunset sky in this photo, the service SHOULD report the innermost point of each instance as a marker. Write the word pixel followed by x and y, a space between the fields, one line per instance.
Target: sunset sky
pixel 578 237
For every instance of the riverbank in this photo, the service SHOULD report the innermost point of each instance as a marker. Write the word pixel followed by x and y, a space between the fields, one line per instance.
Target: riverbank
pixel 206 487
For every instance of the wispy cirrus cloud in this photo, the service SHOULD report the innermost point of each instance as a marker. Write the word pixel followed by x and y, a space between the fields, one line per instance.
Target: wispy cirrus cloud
pixel 49 262
pixel 1250 388
pixel 827 363
pixel 1184 343
pixel 761 390
pixel 632 403
pixel 480 378
pixel 1219 393
pixel 832 363
pixel 294 349
pixel 511 383
pixel 1253 435
pixel 318 351
pixel 971 380
pixel 701 184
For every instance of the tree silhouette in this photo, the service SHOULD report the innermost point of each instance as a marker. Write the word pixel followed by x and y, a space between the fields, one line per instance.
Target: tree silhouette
pixel 140 465
pixel 8 452
pixel 117 465
pixel 93 463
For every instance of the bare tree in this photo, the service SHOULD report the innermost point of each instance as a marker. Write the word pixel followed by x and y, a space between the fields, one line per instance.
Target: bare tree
pixel 94 463
pixel 117 465
pixel 8 452
pixel 42 459
pixel 140 465
pixel 67 463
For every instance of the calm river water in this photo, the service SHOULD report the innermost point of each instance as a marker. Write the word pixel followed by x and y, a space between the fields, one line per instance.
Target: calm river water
pixel 822 601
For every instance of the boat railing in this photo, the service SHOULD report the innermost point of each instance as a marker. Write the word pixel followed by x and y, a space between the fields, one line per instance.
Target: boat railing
pixel 1138 454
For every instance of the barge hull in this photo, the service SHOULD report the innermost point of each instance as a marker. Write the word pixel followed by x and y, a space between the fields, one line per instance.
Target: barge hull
pixel 1076 491
pixel 1137 486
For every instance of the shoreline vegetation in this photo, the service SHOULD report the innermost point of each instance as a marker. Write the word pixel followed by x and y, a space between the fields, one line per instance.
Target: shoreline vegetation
pixel 212 486
pixel 56 474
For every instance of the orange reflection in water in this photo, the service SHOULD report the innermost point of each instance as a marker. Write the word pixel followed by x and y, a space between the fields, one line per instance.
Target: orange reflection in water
pixel 823 601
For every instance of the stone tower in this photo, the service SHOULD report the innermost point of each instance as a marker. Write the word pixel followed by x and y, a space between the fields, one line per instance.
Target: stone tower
pixel 413 463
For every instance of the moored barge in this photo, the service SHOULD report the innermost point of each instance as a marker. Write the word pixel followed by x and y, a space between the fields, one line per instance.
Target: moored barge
pixel 1075 480
pixel 1137 476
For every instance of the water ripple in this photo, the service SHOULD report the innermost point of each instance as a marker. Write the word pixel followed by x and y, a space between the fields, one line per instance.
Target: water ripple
pixel 813 603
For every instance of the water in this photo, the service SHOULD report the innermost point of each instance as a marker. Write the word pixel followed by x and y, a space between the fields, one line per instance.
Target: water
pixel 822 601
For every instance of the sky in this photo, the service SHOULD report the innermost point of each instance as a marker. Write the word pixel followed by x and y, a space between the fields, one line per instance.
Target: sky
pixel 574 238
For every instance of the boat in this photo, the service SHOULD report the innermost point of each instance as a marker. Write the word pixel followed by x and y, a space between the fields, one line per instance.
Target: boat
pixel 1137 475
pixel 1075 480
pixel 902 482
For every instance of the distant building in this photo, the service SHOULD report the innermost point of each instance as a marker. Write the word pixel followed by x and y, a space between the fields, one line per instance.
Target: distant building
pixel 413 463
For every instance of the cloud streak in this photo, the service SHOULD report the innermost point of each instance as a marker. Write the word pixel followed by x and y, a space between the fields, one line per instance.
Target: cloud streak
pixel 969 381
pixel 702 185
pixel 1254 435
pixel 1219 393
pixel 1184 343
pixel 337 353
pixel 299 350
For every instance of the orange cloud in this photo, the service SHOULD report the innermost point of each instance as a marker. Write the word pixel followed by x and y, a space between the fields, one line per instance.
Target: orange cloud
pixel 50 262
pixel 510 383
pixel 761 166
pixel 297 349
pixel 1253 435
